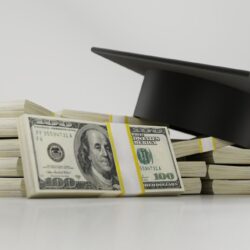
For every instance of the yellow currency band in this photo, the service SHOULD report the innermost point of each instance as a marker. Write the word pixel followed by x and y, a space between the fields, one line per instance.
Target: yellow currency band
pixel 214 143
pixel 117 165
pixel 126 119
pixel 110 118
pixel 200 145
pixel 138 168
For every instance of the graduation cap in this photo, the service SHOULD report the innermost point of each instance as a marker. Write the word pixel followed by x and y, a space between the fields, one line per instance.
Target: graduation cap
pixel 192 97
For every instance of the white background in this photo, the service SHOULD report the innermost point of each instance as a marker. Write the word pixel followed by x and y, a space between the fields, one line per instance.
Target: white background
pixel 45 57
pixel 45 46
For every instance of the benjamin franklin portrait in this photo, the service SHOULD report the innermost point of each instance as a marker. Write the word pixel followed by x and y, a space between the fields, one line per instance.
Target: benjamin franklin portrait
pixel 95 158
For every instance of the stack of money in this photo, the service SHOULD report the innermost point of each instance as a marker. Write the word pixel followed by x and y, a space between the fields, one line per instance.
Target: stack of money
pixel 228 171
pixel 57 157
pixel 11 174
pixel 74 158
pixel 193 171
pixel 11 168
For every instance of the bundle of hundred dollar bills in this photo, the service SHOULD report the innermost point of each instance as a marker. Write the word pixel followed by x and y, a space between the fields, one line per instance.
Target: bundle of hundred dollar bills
pixel 80 154
pixel 65 157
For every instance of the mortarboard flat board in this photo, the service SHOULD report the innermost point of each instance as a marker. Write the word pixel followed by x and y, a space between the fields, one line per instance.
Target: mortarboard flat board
pixel 196 98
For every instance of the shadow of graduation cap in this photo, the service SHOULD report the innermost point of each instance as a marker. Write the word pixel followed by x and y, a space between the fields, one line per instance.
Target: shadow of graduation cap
pixel 196 98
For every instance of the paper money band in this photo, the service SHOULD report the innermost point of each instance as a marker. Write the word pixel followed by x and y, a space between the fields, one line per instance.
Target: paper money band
pixel 118 119
pixel 128 166
pixel 117 164
pixel 207 144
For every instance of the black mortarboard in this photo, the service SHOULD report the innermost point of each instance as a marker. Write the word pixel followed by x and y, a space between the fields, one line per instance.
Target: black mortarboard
pixel 196 98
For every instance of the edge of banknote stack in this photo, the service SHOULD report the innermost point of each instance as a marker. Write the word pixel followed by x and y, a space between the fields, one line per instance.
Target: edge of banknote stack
pixel 206 165
pixel 11 173
pixel 141 157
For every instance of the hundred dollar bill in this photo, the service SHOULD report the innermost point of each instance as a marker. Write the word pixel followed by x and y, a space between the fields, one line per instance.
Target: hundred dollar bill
pixel 70 158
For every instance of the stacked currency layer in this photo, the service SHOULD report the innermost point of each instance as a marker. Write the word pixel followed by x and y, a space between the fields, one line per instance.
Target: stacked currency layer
pixel 11 167
pixel 10 157
pixel 228 171
pixel 194 171
pixel 11 173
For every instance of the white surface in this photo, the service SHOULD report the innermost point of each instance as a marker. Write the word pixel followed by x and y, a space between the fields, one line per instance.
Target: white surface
pixel 186 222
pixel 45 46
